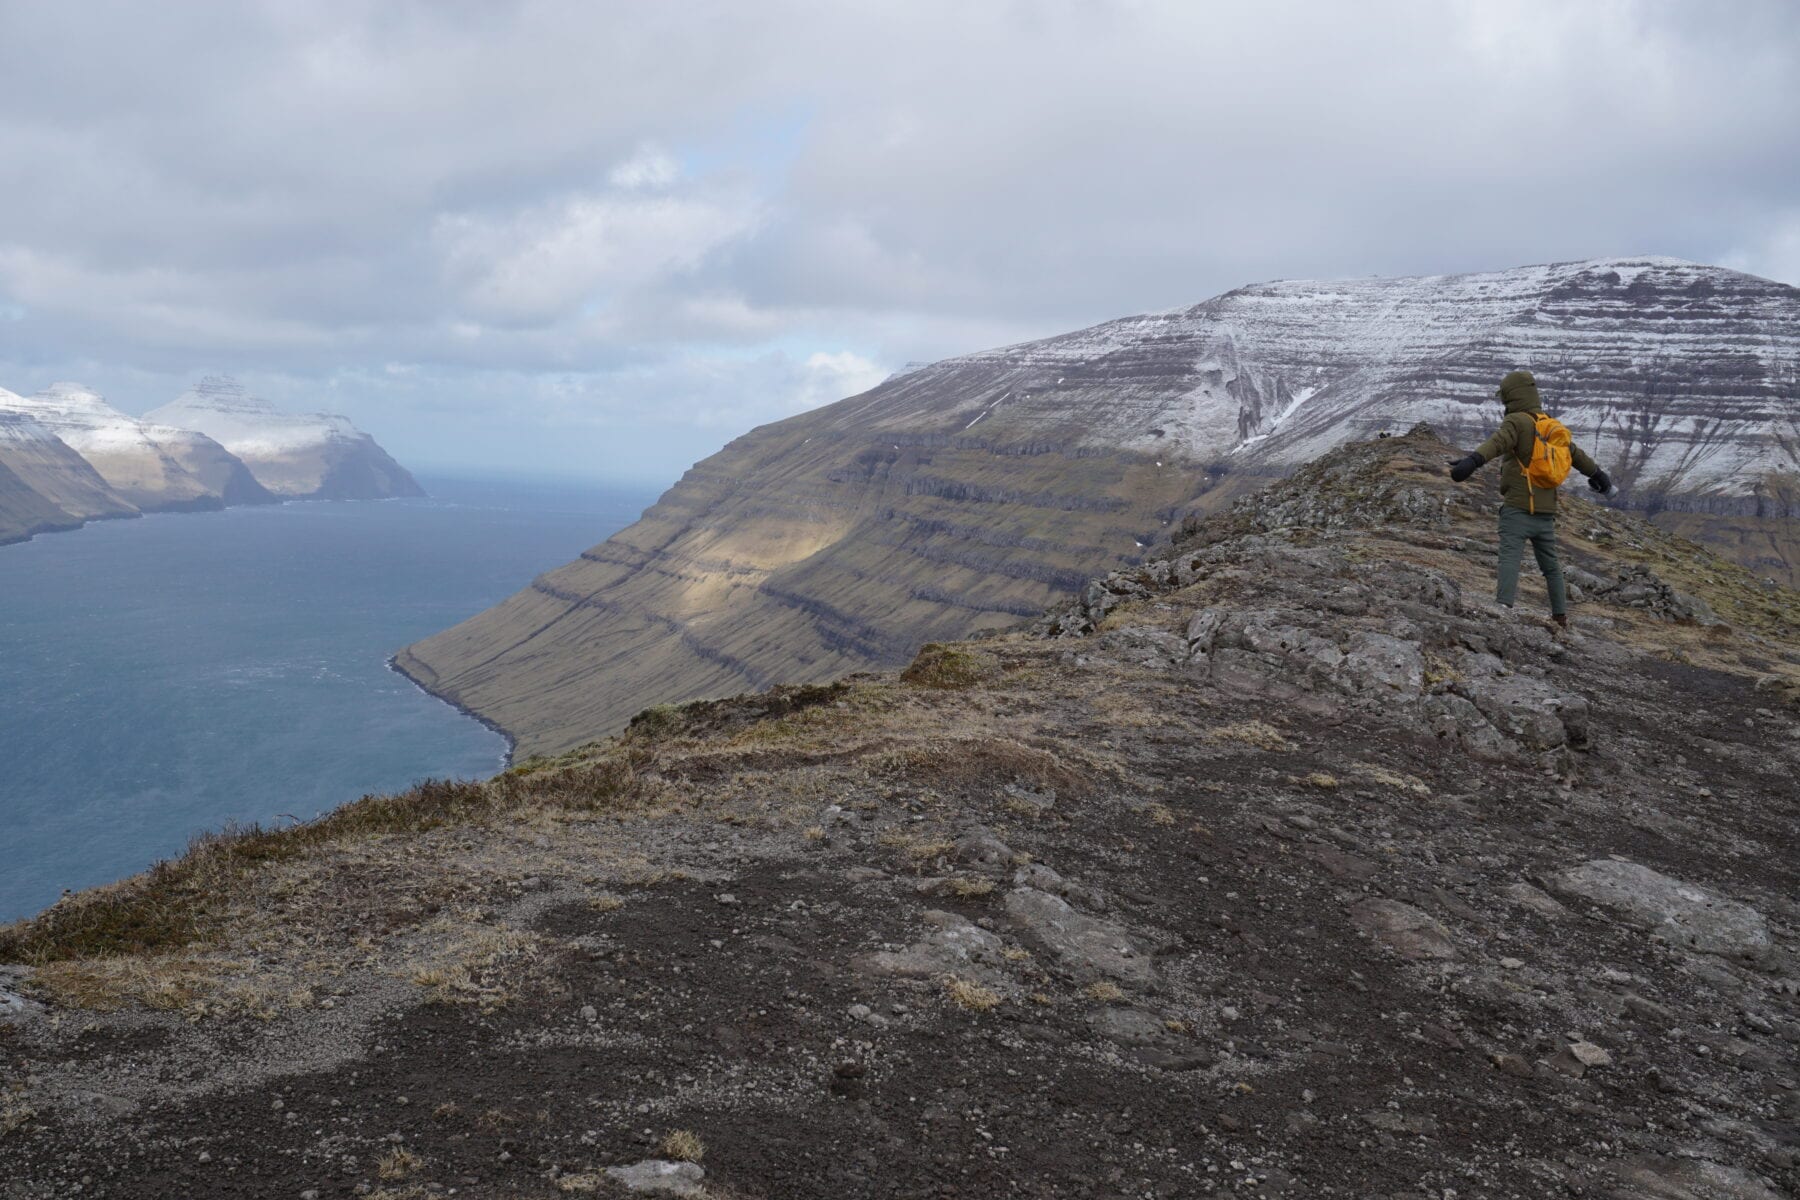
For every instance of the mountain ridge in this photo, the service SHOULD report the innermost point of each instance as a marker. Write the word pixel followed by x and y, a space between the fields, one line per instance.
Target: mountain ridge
pixel 957 496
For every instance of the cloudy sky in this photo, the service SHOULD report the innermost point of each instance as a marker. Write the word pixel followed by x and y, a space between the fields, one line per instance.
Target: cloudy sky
pixel 602 239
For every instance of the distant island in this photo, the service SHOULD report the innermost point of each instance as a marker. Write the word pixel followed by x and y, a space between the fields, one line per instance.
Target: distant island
pixel 68 457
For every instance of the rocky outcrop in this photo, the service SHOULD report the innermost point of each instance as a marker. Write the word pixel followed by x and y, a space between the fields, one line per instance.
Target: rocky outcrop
pixel 960 495
pixel 309 456
pixel 1187 892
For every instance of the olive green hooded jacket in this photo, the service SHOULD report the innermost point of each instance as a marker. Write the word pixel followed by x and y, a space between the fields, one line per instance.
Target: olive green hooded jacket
pixel 1512 444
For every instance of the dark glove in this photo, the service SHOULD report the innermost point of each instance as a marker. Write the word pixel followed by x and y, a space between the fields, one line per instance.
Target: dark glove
pixel 1601 482
pixel 1465 466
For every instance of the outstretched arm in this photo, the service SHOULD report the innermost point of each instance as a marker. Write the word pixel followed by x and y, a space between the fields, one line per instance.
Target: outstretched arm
pixel 1503 440
pixel 1599 480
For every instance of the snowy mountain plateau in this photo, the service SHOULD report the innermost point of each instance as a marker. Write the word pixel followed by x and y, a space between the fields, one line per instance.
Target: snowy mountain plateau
pixel 961 495
pixel 307 456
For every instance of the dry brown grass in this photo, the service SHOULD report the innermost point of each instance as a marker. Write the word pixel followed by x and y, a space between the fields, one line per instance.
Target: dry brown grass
pixel 682 1145
pixel 1102 991
pixel 1160 814
pixel 189 900
pixel 195 985
pixel 1322 780
pixel 946 666
pixel 969 887
pixel 473 963
pixel 1396 780
pixel 969 764
pixel 398 1163
pixel 1255 734
pixel 972 996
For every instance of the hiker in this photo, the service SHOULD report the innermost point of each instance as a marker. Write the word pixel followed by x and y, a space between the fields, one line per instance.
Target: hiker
pixel 1538 453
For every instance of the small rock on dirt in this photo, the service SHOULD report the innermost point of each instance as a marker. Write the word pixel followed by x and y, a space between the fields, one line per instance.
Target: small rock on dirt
pixel 659 1176
pixel 1408 931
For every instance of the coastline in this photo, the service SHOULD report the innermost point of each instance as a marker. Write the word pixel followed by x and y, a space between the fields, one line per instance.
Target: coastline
pixel 512 743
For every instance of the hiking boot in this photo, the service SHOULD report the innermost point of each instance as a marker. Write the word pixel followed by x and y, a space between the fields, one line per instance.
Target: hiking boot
pixel 1561 619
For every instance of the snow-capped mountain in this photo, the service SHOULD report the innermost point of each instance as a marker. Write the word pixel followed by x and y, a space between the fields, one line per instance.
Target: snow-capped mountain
pixel 297 456
pixel 1683 379
pixel 964 494
pixel 44 484
pixel 154 468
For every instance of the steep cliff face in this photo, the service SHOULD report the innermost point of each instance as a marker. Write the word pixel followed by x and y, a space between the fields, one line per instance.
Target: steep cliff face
pixel 307 456
pixel 54 487
pixel 25 511
pixel 218 470
pixel 960 495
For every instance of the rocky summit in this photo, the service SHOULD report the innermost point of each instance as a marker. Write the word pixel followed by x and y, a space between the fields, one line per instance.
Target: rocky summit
pixel 959 495
pixel 1280 864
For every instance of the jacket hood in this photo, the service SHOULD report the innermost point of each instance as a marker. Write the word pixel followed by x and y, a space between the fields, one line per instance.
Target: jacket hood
pixel 1519 392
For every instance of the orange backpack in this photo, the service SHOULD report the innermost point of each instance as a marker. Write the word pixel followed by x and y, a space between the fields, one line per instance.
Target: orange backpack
pixel 1547 462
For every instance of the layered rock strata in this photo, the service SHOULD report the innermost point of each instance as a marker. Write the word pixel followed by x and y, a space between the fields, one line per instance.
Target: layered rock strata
pixel 960 495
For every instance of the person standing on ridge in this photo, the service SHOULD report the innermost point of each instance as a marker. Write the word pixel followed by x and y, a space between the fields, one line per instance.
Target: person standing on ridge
pixel 1538 454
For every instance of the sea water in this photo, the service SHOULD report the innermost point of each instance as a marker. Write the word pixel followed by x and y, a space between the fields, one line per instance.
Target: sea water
pixel 172 674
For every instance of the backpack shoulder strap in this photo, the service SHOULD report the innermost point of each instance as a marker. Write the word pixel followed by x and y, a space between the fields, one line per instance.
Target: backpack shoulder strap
pixel 1527 435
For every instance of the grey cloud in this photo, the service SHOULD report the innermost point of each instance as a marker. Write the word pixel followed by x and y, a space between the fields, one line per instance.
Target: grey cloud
pixel 678 206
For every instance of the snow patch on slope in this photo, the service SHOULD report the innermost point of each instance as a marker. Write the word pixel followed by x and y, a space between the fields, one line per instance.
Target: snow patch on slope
pixel 220 408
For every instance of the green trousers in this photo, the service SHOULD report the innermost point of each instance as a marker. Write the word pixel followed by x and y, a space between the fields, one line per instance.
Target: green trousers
pixel 1516 528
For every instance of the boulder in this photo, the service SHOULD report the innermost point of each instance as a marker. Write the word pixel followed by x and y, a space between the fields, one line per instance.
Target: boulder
pixel 1455 719
pixel 1385 665
pixel 13 1006
pixel 1658 1178
pixel 1088 945
pixel 1407 931
pixel 659 1176
pixel 954 947
pixel 1526 710
pixel 1685 913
